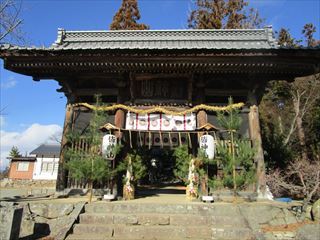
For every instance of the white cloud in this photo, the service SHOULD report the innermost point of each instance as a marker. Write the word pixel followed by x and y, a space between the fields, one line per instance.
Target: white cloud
pixel 9 83
pixel 27 140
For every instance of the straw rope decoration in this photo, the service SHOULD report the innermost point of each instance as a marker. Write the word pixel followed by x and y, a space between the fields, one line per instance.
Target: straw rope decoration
pixel 159 109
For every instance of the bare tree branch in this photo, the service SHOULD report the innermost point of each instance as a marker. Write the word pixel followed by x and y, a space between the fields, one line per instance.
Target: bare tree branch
pixel 10 11
pixel 300 178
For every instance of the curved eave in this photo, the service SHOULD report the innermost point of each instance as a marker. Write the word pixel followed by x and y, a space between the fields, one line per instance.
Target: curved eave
pixel 22 51
pixel 48 63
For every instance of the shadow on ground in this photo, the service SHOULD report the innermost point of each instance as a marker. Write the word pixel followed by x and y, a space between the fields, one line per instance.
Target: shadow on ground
pixel 25 198
pixel 156 190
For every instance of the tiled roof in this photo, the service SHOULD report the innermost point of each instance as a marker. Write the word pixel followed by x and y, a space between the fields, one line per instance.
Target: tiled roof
pixel 47 150
pixel 160 39
pixel 167 39
pixel 22 158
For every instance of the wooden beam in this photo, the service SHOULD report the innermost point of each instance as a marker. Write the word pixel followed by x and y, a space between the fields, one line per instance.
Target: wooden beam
pixel 93 91
pixel 226 92
pixel 148 76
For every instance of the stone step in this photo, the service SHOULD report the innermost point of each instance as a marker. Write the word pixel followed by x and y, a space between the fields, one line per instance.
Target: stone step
pixel 87 236
pixel 102 237
pixel 101 229
pixel 202 209
pixel 163 232
pixel 161 219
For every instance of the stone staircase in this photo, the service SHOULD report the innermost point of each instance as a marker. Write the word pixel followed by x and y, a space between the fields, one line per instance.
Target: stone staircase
pixel 133 221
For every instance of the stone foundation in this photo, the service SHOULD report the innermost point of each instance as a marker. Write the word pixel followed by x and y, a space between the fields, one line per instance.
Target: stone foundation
pixel 40 219
pixel 16 183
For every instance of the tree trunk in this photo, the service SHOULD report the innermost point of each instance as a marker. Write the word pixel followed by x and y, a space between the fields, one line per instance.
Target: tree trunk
pixel 300 129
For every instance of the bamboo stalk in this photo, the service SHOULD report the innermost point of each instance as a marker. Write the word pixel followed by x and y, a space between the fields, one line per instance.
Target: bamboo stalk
pixel 233 165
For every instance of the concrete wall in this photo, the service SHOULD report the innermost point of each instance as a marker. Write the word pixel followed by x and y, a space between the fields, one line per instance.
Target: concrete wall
pixel 15 174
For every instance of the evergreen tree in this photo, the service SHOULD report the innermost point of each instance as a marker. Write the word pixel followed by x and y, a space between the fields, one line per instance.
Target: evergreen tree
pixel 137 165
pixel 285 39
pixel 87 164
pixel 236 16
pixel 14 152
pixel 224 14
pixel 127 16
pixel 308 30
pixel 182 159
pixel 230 120
pixel 237 154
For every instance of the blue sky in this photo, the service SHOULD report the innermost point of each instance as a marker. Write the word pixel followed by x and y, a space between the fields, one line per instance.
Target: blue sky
pixel 32 112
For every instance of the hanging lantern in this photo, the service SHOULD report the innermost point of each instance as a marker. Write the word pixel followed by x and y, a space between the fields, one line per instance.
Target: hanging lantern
pixel 207 143
pixel 109 142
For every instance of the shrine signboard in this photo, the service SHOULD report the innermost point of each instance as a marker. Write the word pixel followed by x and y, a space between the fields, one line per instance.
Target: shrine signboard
pixel 109 142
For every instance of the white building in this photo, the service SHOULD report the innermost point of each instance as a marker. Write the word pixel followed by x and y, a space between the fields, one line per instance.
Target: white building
pixel 46 166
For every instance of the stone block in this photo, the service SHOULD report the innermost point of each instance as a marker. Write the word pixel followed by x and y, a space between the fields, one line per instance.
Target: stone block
pixel 232 233
pixel 99 208
pixel 188 220
pixel 51 210
pixel 308 212
pixel 125 219
pixel 316 210
pixel 149 232
pixel 308 232
pixel 198 232
pixel 67 222
pixel 277 222
pixel 90 236
pixel 227 221
pixel 283 235
pixel 154 219
pixel 291 220
pixel 104 229
pixel 96 218
pixel 269 236
pixel 10 221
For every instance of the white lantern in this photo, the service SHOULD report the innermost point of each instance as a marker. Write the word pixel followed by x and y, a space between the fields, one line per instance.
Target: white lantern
pixel 109 142
pixel 207 143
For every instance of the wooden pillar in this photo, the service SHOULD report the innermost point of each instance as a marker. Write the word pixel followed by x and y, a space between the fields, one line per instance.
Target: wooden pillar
pixel 119 118
pixel 200 98
pixel 132 79
pixel 190 89
pixel 255 135
pixel 119 121
pixel 61 178
pixel 200 90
